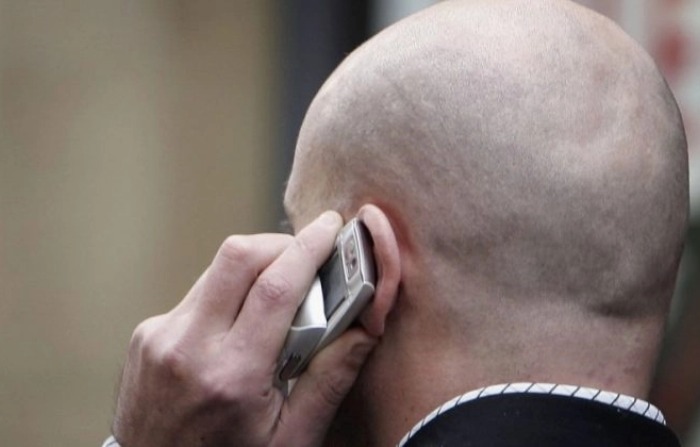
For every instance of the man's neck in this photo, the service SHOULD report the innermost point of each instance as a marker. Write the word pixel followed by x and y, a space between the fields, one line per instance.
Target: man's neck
pixel 408 377
pixel 394 391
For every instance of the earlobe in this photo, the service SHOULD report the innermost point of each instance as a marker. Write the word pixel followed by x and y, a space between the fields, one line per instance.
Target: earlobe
pixel 388 261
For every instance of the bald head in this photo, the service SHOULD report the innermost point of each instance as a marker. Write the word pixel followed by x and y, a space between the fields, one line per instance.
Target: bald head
pixel 531 147
pixel 532 162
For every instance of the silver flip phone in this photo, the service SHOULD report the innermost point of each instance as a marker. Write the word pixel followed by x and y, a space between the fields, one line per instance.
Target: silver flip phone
pixel 343 287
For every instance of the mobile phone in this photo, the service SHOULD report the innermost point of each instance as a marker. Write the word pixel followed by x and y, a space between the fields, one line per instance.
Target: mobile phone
pixel 343 287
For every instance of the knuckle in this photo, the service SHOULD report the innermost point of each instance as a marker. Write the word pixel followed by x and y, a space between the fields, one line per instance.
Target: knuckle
pixel 234 389
pixel 145 331
pixel 274 290
pixel 161 348
pixel 217 389
pixel 333 388
pixel 174 362
pixel 171 358
pixel 236 249
pixel 214 388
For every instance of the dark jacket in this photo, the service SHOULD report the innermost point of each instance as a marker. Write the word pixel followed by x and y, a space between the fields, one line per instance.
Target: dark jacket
pixel 516 420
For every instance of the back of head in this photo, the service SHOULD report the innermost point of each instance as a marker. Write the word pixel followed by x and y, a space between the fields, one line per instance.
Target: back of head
pixel 531 151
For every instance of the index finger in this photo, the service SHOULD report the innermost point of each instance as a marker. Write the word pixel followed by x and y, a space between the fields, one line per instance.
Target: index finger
pixel 272 302
pixel 219 293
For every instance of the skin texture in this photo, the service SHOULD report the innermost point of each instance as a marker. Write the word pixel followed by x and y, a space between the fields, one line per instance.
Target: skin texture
pixel 202 374
pixel 521 167
pixel 533 165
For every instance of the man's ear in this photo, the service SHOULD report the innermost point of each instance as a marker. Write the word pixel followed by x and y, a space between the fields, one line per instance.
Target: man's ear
pixel 388 262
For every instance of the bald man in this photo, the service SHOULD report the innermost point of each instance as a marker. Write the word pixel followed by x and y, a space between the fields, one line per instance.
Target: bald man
pixel 521 168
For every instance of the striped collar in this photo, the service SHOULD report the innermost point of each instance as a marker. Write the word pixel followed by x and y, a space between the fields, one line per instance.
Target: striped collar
pixel 617 400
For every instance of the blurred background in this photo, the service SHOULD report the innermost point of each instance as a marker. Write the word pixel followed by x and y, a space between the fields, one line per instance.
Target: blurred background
pixel 135 136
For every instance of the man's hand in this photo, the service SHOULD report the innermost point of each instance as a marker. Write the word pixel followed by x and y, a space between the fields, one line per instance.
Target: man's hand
pixel 203 374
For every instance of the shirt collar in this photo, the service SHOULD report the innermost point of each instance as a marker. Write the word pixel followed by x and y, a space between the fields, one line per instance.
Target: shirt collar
pixel 617 400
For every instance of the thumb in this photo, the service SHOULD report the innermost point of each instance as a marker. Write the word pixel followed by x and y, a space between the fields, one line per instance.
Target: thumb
pixel 319 391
